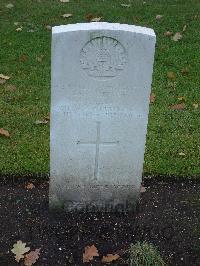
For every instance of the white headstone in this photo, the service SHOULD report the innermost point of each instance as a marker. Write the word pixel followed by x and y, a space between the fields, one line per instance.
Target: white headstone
pixel 101 82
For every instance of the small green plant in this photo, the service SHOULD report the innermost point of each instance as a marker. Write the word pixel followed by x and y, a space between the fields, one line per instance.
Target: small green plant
pixel 144 254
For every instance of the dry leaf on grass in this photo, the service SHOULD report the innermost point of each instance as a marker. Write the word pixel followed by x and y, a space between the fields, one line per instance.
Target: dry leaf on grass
pixel 23 58
pixel 10 5
pixel 126 5
pixel 19 250
pixel 159 17
pixel 171 75
pixel 44 121
pixel 32 257
pixel 40 58
pixel 179 106
pixel 195 105
pixel 184 28
pixel 48 27
pixel 177 36
pixel 2 76
pixel 29 186
pixel 89 16
pixel 181 98
pixel 64 1
pixel 96 19
pixel 181 153
pixel 110 258
pixel 90 253
pixel 41 122
pixel 4 133
pixel 2 81
pixel 92 17
pixel 152 98
pixel 66 15
pixel 19 29
pixel 168 33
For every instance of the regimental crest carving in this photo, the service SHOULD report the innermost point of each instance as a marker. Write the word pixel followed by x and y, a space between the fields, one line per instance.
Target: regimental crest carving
pixel 103 57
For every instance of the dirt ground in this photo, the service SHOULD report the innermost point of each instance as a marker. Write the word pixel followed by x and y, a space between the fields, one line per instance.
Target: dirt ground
pixel 168 217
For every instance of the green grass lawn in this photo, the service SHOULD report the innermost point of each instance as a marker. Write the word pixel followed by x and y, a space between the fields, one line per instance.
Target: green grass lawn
pixel 173 141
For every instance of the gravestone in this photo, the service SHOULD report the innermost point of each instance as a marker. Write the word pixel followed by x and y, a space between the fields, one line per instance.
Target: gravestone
pixel 101 82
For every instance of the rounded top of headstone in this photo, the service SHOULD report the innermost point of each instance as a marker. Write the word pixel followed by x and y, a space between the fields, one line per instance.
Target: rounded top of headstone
pixel 103 26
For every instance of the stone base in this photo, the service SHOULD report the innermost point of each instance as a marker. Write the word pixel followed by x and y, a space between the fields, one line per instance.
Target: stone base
pixel 95 199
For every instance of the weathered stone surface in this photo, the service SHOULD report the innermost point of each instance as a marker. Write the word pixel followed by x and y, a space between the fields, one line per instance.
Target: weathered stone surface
pixel 101 81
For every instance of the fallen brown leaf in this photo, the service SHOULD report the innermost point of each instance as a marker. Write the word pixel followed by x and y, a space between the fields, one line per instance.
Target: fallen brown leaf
pixel 92 18
pixel 40 58
pixel 19 249
pixel 184 28
pixel 48 27
pixel 126 5
pixel 32 257
pixel 29 186
pixel 19 29
pixel 177 36
pixel 66 15
pixel 110 258
pixel 168 33
pixel 90 253
pixel 96 19
pixel 2 76
pixel 2 81
pixel 171 75
pixel 181 98
pixel 4 133
pixel 195 105
pixel 9 5
pixel 159 17
pixel 89 17
pixel 23 58
pixel 179 106
pixel 41 122
pixel 152 98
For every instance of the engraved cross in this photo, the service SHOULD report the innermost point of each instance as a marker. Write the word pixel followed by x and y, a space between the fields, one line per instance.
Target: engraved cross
pixel 97 143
